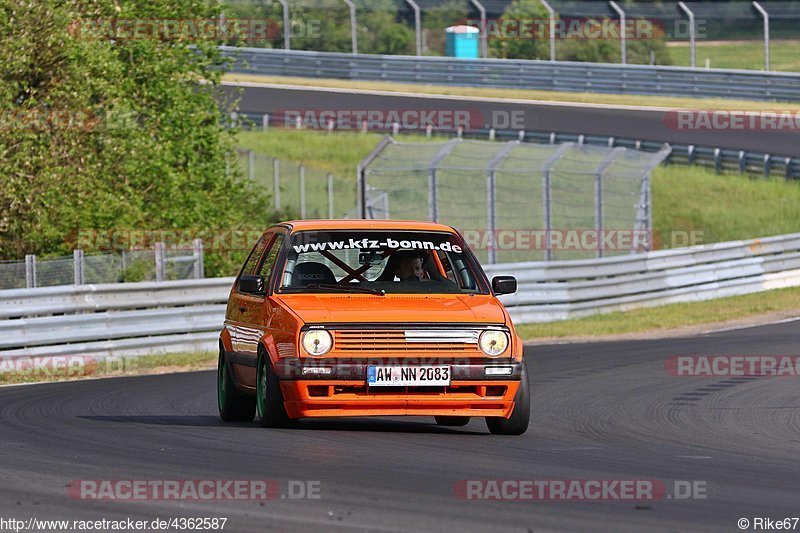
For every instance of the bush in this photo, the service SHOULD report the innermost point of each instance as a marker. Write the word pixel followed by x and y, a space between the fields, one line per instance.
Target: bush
pixel 108 133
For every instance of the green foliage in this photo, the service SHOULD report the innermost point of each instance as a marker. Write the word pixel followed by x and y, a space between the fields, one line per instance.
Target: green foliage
pixel 515 45
pixel 325 26
pixel 146 147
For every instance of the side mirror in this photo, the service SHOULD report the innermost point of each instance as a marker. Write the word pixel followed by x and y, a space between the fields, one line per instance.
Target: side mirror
pixel 504 284
pixel 251 284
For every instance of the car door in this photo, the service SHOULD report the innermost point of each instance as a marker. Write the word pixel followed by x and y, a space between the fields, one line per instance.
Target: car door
pixel 252 313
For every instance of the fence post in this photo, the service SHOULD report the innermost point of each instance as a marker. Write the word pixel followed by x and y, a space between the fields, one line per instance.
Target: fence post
pixel 330 195
pixel 690 14
pixel 491 198
pixel 302 170
pixel 433 186
pixel 77 266
pixel 265 122
pixel 353 30
pixel 622 42
pixel 417 25
pixel 197 252
pixel 159 257
pixel 598 194
pixel 551 14
pixel 287 25
pixel 765 15
pixel 483 36
pixel 276 179
pixel 547 169
pixel 30 271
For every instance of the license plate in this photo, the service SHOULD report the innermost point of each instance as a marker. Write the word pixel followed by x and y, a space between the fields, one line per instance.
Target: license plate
pixel 408 376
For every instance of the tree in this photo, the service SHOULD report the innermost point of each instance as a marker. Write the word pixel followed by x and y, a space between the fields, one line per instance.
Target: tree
pixel 107 128
pixel 521 33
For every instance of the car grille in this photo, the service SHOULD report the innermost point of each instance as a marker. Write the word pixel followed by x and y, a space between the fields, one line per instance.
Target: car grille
pixel 409 340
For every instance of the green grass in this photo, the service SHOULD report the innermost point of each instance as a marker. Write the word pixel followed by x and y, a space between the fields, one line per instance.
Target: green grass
pixel 668 317
pixel 740 54
pixel 130 366
pixel 722 207
pixel 527 94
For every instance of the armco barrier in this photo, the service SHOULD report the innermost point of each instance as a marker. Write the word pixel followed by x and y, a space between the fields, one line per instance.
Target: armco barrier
pixel 521 74
pixel 558 290
pixel 113 319
pixel 137 318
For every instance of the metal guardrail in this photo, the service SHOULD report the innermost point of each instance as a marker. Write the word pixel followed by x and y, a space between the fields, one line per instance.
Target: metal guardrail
pixel 521 74
pixel 113 319
pixel 559 290
pixel 138 318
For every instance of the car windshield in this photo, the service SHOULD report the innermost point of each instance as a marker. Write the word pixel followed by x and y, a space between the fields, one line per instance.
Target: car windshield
pixel 380 262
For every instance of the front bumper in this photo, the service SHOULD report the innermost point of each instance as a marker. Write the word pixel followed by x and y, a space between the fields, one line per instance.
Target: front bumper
pixel 343 390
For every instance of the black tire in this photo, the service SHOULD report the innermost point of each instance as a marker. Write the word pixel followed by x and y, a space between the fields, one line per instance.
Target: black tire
pixel 453 421
pixel 269 398
pixel 233 405
pixel 517 424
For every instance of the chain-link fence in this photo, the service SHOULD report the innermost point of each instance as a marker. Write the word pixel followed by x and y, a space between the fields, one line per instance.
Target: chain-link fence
pixel 302 191
pixel 158 264
pixel 517 201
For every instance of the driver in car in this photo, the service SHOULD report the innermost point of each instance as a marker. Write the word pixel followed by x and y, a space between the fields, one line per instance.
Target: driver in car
pixel 409 267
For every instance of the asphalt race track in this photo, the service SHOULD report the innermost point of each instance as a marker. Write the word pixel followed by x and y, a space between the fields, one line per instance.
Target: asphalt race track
pixel 600 411
pixel 632 123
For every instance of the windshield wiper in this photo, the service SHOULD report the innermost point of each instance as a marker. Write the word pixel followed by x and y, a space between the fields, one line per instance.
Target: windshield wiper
pixel 339 288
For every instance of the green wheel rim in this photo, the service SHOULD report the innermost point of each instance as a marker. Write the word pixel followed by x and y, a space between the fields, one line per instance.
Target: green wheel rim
pixel 261 390
pixel 221 382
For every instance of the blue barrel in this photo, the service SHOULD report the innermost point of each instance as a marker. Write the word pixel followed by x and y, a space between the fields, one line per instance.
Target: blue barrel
pixel 462 41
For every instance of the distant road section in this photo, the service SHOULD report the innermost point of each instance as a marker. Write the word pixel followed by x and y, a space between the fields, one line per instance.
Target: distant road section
pixel 645 123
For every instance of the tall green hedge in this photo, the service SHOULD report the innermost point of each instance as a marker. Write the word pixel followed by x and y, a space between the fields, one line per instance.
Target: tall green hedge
pixel 101 130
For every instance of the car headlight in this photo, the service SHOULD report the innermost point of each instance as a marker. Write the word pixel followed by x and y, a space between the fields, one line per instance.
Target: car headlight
pixel 493 342
pixel 317 342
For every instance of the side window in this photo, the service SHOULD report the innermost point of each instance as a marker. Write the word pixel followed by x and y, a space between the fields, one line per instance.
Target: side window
pixel 268 264
pixel 252 259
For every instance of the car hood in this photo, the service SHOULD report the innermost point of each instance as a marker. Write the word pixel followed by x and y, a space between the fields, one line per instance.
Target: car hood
pixel 394 308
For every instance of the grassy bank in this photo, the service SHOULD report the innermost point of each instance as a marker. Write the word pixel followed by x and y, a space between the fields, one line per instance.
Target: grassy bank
pixel 740 54
pixel 670 317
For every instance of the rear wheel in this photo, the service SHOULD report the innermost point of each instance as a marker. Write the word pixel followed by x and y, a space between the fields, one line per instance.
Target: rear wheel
pixel 454 421
pixel 269 398
pixel 233 405
pixel 517 423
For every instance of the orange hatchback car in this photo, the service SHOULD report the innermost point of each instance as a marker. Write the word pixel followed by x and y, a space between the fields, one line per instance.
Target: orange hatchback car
pixel 370 318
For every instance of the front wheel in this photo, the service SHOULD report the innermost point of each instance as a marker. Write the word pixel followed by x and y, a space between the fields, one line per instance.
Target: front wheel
pixel 269 398
pixel 233 405
pixel 517 423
